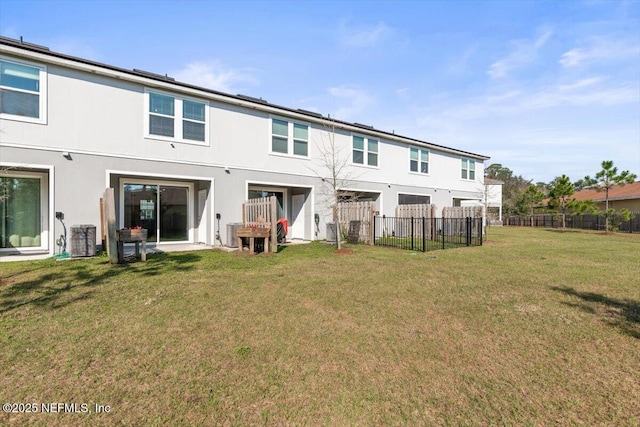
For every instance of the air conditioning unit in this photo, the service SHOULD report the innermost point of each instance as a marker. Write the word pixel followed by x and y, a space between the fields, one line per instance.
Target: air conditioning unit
pixel 232 234
pixel 331 232
pixel 83 240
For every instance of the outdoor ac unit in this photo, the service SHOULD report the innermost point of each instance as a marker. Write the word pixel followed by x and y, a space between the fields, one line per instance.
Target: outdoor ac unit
pixel 83 240
pixel 331 232
pixel 232 234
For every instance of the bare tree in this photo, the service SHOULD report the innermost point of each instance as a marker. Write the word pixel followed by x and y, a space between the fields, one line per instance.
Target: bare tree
pixel 333 167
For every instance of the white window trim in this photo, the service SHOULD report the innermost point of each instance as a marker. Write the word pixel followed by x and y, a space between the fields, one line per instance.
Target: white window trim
pixel 290 138
pixel 190 205
pixel 178 118
pixel 42 94
pixel 419 161
pixel 467 169
pixel 365 152
pixel 46 181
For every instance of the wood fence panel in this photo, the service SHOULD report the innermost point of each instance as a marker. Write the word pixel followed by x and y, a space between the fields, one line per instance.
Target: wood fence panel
pixel 356 211
pixel 458 228
pixel 417 211
pixel 109 206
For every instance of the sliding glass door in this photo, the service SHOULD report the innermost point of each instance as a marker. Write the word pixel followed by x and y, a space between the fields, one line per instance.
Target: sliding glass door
pixel 22 203
pixel 163 209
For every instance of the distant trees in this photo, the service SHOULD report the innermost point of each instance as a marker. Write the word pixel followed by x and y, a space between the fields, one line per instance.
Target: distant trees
pixel 521 197
pixel 585 182
pixel 529 199
pixel 512 189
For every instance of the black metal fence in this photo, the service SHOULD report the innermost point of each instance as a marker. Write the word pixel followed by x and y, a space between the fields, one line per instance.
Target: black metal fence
pixel 584 222
pixel 427 234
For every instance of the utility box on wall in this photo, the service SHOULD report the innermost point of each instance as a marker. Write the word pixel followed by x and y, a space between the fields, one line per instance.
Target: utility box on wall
pixel 83 240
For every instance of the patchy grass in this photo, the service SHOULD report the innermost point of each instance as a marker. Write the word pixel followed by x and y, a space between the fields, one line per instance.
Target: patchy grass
pixel 537 327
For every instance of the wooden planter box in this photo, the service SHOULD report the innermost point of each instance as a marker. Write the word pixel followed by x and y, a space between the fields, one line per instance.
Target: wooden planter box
pixel 252 233
pixel 131 235
pixel 137 236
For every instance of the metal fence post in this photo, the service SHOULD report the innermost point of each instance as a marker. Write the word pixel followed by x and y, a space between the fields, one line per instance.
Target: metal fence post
pixel 424 234
pixel 373 238
pixel 412 233
pixel 443 225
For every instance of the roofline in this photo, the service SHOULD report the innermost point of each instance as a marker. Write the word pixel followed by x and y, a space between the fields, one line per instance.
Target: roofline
pixel 242 100
pixel 614 199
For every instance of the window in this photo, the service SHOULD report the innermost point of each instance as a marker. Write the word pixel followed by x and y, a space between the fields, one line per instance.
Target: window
pixel 413 199
pixel 22 209
pixel 468 169
pixel 365 149
pixel 419 160
pixel 176 119
pixel 289 138
pixel 22 91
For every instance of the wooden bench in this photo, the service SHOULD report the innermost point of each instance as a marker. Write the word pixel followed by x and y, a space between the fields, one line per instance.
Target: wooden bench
pixel 252 233
pixel 136 236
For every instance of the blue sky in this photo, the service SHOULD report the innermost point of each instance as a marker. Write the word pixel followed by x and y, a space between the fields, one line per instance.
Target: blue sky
pixel 544 88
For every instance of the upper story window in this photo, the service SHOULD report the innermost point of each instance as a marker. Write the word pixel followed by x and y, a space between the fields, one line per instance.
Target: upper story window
pixel 22 91
pixel 365 151
pixel 468 169
pixel 176 119
pixel 419 160
pixel 289 138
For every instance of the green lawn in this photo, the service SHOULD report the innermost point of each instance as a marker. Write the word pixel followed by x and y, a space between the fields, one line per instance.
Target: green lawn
pixel 537 327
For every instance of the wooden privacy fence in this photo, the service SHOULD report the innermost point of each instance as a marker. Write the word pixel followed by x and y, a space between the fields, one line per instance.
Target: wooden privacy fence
pixel 421 228
pixel 457 227
pixel 425 210
pixel 261 213
pixel 346 212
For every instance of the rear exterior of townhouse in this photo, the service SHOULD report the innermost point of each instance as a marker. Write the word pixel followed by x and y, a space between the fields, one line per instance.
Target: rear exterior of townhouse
pixel 182 159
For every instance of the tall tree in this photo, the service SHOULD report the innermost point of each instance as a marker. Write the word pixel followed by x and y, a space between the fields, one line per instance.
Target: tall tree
pixel 561 190
pixel 609 177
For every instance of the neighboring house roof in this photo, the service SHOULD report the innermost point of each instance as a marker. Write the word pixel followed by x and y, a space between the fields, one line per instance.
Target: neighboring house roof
pixel 619 192
pixel 254 102
pixel 489 181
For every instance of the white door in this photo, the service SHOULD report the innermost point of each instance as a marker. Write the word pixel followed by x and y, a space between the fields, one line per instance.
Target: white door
pixel 202 216
pixel 297 217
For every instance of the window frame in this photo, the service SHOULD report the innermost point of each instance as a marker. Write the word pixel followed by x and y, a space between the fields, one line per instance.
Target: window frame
pixel 291 138
pixel 366 152
pixel 428 196
pixel 42 92
pixel 465 173
pixel 178 118
pixel 44 178
pixel 419 161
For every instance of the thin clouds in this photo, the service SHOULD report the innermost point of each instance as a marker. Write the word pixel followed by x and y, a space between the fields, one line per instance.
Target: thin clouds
pixel 351 100
pixel 600 50
pixel 363 37
pixel 522 52
pixel 217 76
